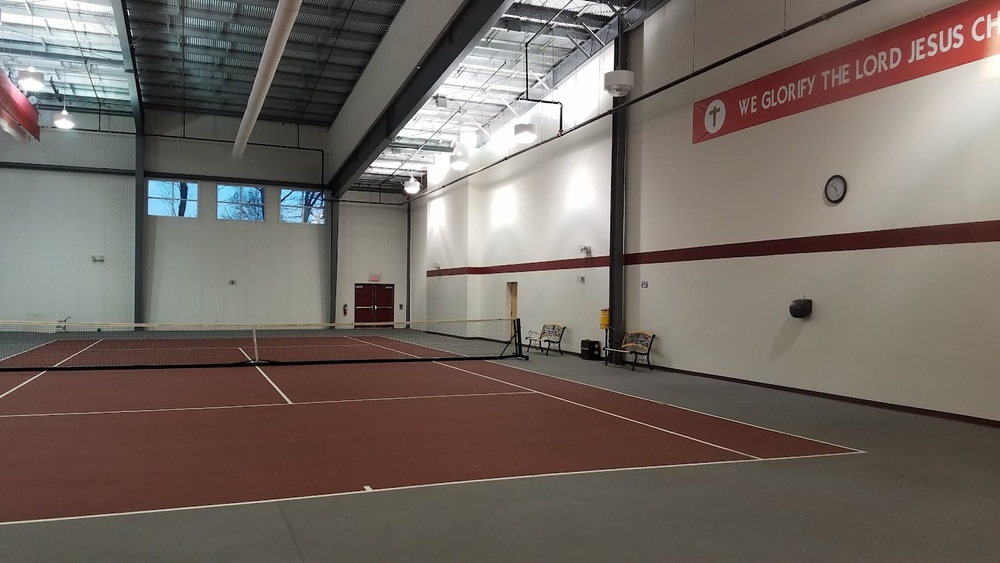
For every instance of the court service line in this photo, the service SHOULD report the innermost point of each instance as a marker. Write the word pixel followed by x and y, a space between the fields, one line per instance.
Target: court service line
pixel 639 422
pixel 276 388
pixel 61 362
pixel 383 347
pixel 682 408
pixel 424 486
pixel 259 405
pixel 582 405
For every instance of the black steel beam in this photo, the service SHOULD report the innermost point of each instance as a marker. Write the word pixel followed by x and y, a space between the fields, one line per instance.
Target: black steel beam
pixel 235 181
pixel 355 14
pixel 291 61
pixel 541 13
pixel 333 223
pixel 576 33
pixel 63 168
pixel 179 68
pixel 409 251
pixel 470 24
pixel 264 23
pixel 286 117
pixel 139 307
pixel 128 57
pixel 58 53
pixel 170 33
pixel 619 156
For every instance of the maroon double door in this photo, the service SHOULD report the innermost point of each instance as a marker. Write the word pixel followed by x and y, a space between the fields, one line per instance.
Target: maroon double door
pixel 373 302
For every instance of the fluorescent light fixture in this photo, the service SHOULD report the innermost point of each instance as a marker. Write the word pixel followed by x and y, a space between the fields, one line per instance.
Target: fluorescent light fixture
pixel 458 162
pixel 31 80
pixel 525 133
pixel 64 121
pixel 411 186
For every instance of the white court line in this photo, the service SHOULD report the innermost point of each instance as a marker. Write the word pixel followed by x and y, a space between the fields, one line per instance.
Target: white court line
pixel 276 388
pixel 259 405
pixel 29 349
pixel 368 489
pixel 644 399
pixel 680 407
pixel 586 406
pixel 639 422
pixel 44 372
pixel 424 486
pixel 383 347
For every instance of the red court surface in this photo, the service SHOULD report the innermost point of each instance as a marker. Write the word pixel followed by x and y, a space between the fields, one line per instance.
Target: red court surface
pixel 106 442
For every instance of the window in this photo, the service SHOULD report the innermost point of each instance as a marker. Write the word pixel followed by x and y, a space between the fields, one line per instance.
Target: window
pixel 172 199
pixel 302 206
pixel 241 203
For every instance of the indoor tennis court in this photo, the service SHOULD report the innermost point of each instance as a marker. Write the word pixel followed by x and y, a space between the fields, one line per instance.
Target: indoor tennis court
pixel 183 438
pixel 499 280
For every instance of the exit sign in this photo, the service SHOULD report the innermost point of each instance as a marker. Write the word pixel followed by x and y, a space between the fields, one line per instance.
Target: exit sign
pixel 374 277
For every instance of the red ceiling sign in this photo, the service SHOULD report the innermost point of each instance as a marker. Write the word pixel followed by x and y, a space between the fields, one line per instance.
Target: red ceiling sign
pixel 961 34
pixel 17 115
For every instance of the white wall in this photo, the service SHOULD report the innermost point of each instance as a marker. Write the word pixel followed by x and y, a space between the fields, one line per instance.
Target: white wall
pixel 51 223
pixel 911 326
pixel 371 240
pixel 281 270
pixel 186 144
pixel 539 206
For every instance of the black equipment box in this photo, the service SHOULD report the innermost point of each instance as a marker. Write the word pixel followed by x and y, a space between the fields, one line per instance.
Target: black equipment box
pixel 590 349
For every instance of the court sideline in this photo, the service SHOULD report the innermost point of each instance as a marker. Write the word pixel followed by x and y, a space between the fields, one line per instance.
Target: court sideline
pixel 924 484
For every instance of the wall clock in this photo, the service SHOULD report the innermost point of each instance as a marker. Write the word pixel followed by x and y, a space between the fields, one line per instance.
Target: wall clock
pixel 835 189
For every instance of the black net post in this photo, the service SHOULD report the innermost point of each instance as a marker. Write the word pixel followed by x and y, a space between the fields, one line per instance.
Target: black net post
pixel 519 347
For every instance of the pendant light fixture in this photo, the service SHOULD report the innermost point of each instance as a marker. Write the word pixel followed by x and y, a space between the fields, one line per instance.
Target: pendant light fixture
pixel 525 133
pixel 31 80
pixel 65 119
pixel 411 186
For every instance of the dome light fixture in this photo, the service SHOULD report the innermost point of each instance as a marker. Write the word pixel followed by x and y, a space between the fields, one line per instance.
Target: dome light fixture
pixel 525 133
pixel 458 162
pixel 411 186
pixel 31 80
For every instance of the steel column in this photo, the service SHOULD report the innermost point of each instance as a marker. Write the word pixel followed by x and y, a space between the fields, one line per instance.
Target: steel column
pixel 131 73
pixel 619 155
pixel 333 220
pixel 139 312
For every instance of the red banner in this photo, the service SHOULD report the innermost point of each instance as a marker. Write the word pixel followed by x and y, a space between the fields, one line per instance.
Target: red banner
pixel 961 34
pixel 16 110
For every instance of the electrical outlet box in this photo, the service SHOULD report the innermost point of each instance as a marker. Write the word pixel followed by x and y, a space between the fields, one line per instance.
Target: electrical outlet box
pixel 644 284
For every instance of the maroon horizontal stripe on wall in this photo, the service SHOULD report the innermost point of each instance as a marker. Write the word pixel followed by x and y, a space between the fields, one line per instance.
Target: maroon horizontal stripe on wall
pixel 933 235
pixel 958 233
pixel 567 264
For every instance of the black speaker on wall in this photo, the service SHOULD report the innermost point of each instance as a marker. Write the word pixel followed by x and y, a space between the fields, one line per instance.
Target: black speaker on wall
pixel 801 308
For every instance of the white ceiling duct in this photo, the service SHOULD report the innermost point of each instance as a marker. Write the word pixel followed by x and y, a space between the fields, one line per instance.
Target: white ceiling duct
pixel 281 26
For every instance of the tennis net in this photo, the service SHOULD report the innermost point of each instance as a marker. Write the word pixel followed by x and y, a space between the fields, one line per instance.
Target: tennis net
pixel 31 346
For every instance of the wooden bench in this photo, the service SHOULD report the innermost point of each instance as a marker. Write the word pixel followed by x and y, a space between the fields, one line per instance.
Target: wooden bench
pixel 551 334
pixel 636 342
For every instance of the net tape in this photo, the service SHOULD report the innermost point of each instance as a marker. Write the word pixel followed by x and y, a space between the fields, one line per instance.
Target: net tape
pixel 31 346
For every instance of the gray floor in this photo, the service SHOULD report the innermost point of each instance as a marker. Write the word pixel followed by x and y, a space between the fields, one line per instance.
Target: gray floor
pixel 927 490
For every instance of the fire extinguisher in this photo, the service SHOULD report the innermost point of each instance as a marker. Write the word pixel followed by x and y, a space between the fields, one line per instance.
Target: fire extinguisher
pixel 345 309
